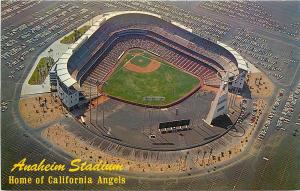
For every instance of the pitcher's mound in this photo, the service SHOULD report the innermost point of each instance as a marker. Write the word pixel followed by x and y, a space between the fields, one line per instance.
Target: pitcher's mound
pixel 152 66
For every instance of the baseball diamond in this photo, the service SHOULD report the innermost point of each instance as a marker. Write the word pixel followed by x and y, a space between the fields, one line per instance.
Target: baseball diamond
pixel 148 76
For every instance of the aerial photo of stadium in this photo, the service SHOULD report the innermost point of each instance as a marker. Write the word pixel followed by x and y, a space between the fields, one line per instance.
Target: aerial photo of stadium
pixel 150 95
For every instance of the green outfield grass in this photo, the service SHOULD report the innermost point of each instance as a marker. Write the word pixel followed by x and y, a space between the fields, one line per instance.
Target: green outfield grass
pixel 167 81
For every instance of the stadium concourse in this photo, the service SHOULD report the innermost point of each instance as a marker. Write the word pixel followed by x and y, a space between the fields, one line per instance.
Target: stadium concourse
pixel 89 63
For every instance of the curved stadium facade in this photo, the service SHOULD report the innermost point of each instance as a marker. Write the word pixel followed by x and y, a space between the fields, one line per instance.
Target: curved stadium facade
pixel 89 61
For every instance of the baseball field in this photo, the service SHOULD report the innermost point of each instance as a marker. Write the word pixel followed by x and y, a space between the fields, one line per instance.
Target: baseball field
pixel 144 78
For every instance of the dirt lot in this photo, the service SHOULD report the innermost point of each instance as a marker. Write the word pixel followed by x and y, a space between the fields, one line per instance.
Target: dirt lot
pixel 259 85
pixel 40 110
pixel 59 136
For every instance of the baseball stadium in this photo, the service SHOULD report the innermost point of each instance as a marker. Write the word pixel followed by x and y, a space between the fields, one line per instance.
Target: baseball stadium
pixel 150 95
pixel 145 82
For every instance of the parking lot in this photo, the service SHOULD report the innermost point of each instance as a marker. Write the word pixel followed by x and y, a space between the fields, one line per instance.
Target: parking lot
pixel 19 42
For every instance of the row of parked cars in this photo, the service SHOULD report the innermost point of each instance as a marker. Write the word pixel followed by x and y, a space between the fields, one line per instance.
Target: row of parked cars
pixel 286 113
pixel 3 106
pixel 12 8
pixel 18 41
pixel 289 106
pixel 266 126
pixel 208 27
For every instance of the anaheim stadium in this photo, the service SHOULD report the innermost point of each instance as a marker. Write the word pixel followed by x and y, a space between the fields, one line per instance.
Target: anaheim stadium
pixel 150 95
pixel 135 74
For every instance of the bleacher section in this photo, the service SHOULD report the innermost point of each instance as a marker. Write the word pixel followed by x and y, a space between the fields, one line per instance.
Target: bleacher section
pixel 96 58
pixel 183 61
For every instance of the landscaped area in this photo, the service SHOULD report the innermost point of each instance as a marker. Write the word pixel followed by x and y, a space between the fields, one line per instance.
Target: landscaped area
pixel 69 39
pixel 41 71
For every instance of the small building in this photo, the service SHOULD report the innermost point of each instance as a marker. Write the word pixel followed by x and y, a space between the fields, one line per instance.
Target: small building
pixel 68 95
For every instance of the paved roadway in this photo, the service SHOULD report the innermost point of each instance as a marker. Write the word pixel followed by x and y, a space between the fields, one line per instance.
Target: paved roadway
pixel 19 141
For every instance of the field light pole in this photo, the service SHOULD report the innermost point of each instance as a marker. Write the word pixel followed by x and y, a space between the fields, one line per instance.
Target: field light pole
pixel 103 117
pixel 97 108
pixel 149 111
pixel 144 117
pixel 103 83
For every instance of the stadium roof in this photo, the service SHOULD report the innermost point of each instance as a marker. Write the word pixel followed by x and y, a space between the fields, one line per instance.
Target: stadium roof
pixel 62 71
pixel 69 81
pixel 182 26
pixel 61 66
pixel 240 60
